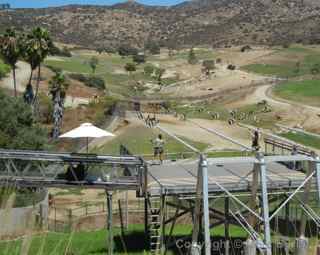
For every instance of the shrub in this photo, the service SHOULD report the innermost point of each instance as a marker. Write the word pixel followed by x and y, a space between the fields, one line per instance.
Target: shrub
pixel 127 50
pixel 18 129
pixel 192 58
pixel 149 69
pixel 64 52
pixel 139 58
pixel 90 81
pixel 153 47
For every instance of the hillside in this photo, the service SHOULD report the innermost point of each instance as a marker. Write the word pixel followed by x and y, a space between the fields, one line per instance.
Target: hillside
pixel 213 22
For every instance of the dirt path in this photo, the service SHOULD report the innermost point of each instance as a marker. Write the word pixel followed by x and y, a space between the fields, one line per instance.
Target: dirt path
pixel 22 77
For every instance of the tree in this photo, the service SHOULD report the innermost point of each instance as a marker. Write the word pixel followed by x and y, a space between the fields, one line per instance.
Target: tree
pixel 153 47
pixel 139 58
pixel 94 61
pixel 208 65
pixel 10 52
pixel 58 89
pixel 148 69
pixel 100 50
pixel 192 58
pixel 127 50
pixel 37 46
pixel 159 72
pixel 18 129
pixel 130 67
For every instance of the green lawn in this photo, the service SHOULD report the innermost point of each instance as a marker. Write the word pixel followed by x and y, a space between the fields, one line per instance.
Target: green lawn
pixel 84 243
pixel 306 140
pixel 306 57
pixel 4 69
pixel 306 92
pixel 137 140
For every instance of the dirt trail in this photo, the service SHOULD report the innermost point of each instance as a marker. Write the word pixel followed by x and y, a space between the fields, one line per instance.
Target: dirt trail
pixel 22 77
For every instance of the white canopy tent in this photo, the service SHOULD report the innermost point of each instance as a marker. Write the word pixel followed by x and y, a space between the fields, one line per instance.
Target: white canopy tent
pixel 86 130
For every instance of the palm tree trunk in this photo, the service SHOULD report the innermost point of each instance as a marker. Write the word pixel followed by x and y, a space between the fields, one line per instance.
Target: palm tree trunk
pixel 38 83
pixel 31 76
pixel 14 80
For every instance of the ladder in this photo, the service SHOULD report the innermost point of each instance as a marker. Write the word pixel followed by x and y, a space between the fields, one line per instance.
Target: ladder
pixel 155 226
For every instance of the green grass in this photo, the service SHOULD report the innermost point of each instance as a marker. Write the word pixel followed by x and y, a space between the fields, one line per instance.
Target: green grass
pixel 304 139
pixel 307 58
pixel 201 111
pixel 84 243
pixel 268 69
pixel 137 140
pixel 306 92
pixel 4 69
pixel 110 68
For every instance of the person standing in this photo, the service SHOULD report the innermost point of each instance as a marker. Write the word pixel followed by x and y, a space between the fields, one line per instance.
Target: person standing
pixel 158 148
pixel 255 140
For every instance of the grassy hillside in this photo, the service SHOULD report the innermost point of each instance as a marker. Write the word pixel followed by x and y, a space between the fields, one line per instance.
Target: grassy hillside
pixel 306 92
pixel 291 62
pixel 307 140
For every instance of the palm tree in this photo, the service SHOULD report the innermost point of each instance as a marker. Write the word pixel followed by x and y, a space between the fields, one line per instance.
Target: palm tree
pixel 58 89
pixel 10 52
pixel 38 46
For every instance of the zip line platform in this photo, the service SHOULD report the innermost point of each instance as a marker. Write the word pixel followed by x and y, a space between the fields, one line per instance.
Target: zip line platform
pixel 234 174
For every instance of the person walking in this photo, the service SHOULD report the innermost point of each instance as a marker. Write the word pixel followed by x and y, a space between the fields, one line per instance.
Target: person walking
pixel 158 148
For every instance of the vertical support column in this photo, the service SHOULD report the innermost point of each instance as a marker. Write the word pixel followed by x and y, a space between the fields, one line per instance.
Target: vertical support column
pixel 250 245
pixel 126 213
pixel 109 223
pixel 146 216
pixel 197 210
pixel 162 223
pixel 202 201
pixel 317 169
pixel 226 225
pixel 206 219
pixel 265 202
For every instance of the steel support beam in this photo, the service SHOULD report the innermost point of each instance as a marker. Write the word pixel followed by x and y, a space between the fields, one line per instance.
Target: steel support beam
pixel 265 204
pixel 110 223
pixel 202 207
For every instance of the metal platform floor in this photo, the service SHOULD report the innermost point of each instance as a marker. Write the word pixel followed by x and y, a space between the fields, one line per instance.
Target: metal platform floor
pixel 181 177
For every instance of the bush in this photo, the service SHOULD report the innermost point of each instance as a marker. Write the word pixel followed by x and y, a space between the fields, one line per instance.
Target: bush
pixel 139 58
pixel 4 69
pixel 64 52
pixel 152 47
pixel 90 81
pixel 18 129
pixel 149 69
pixel 127 50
